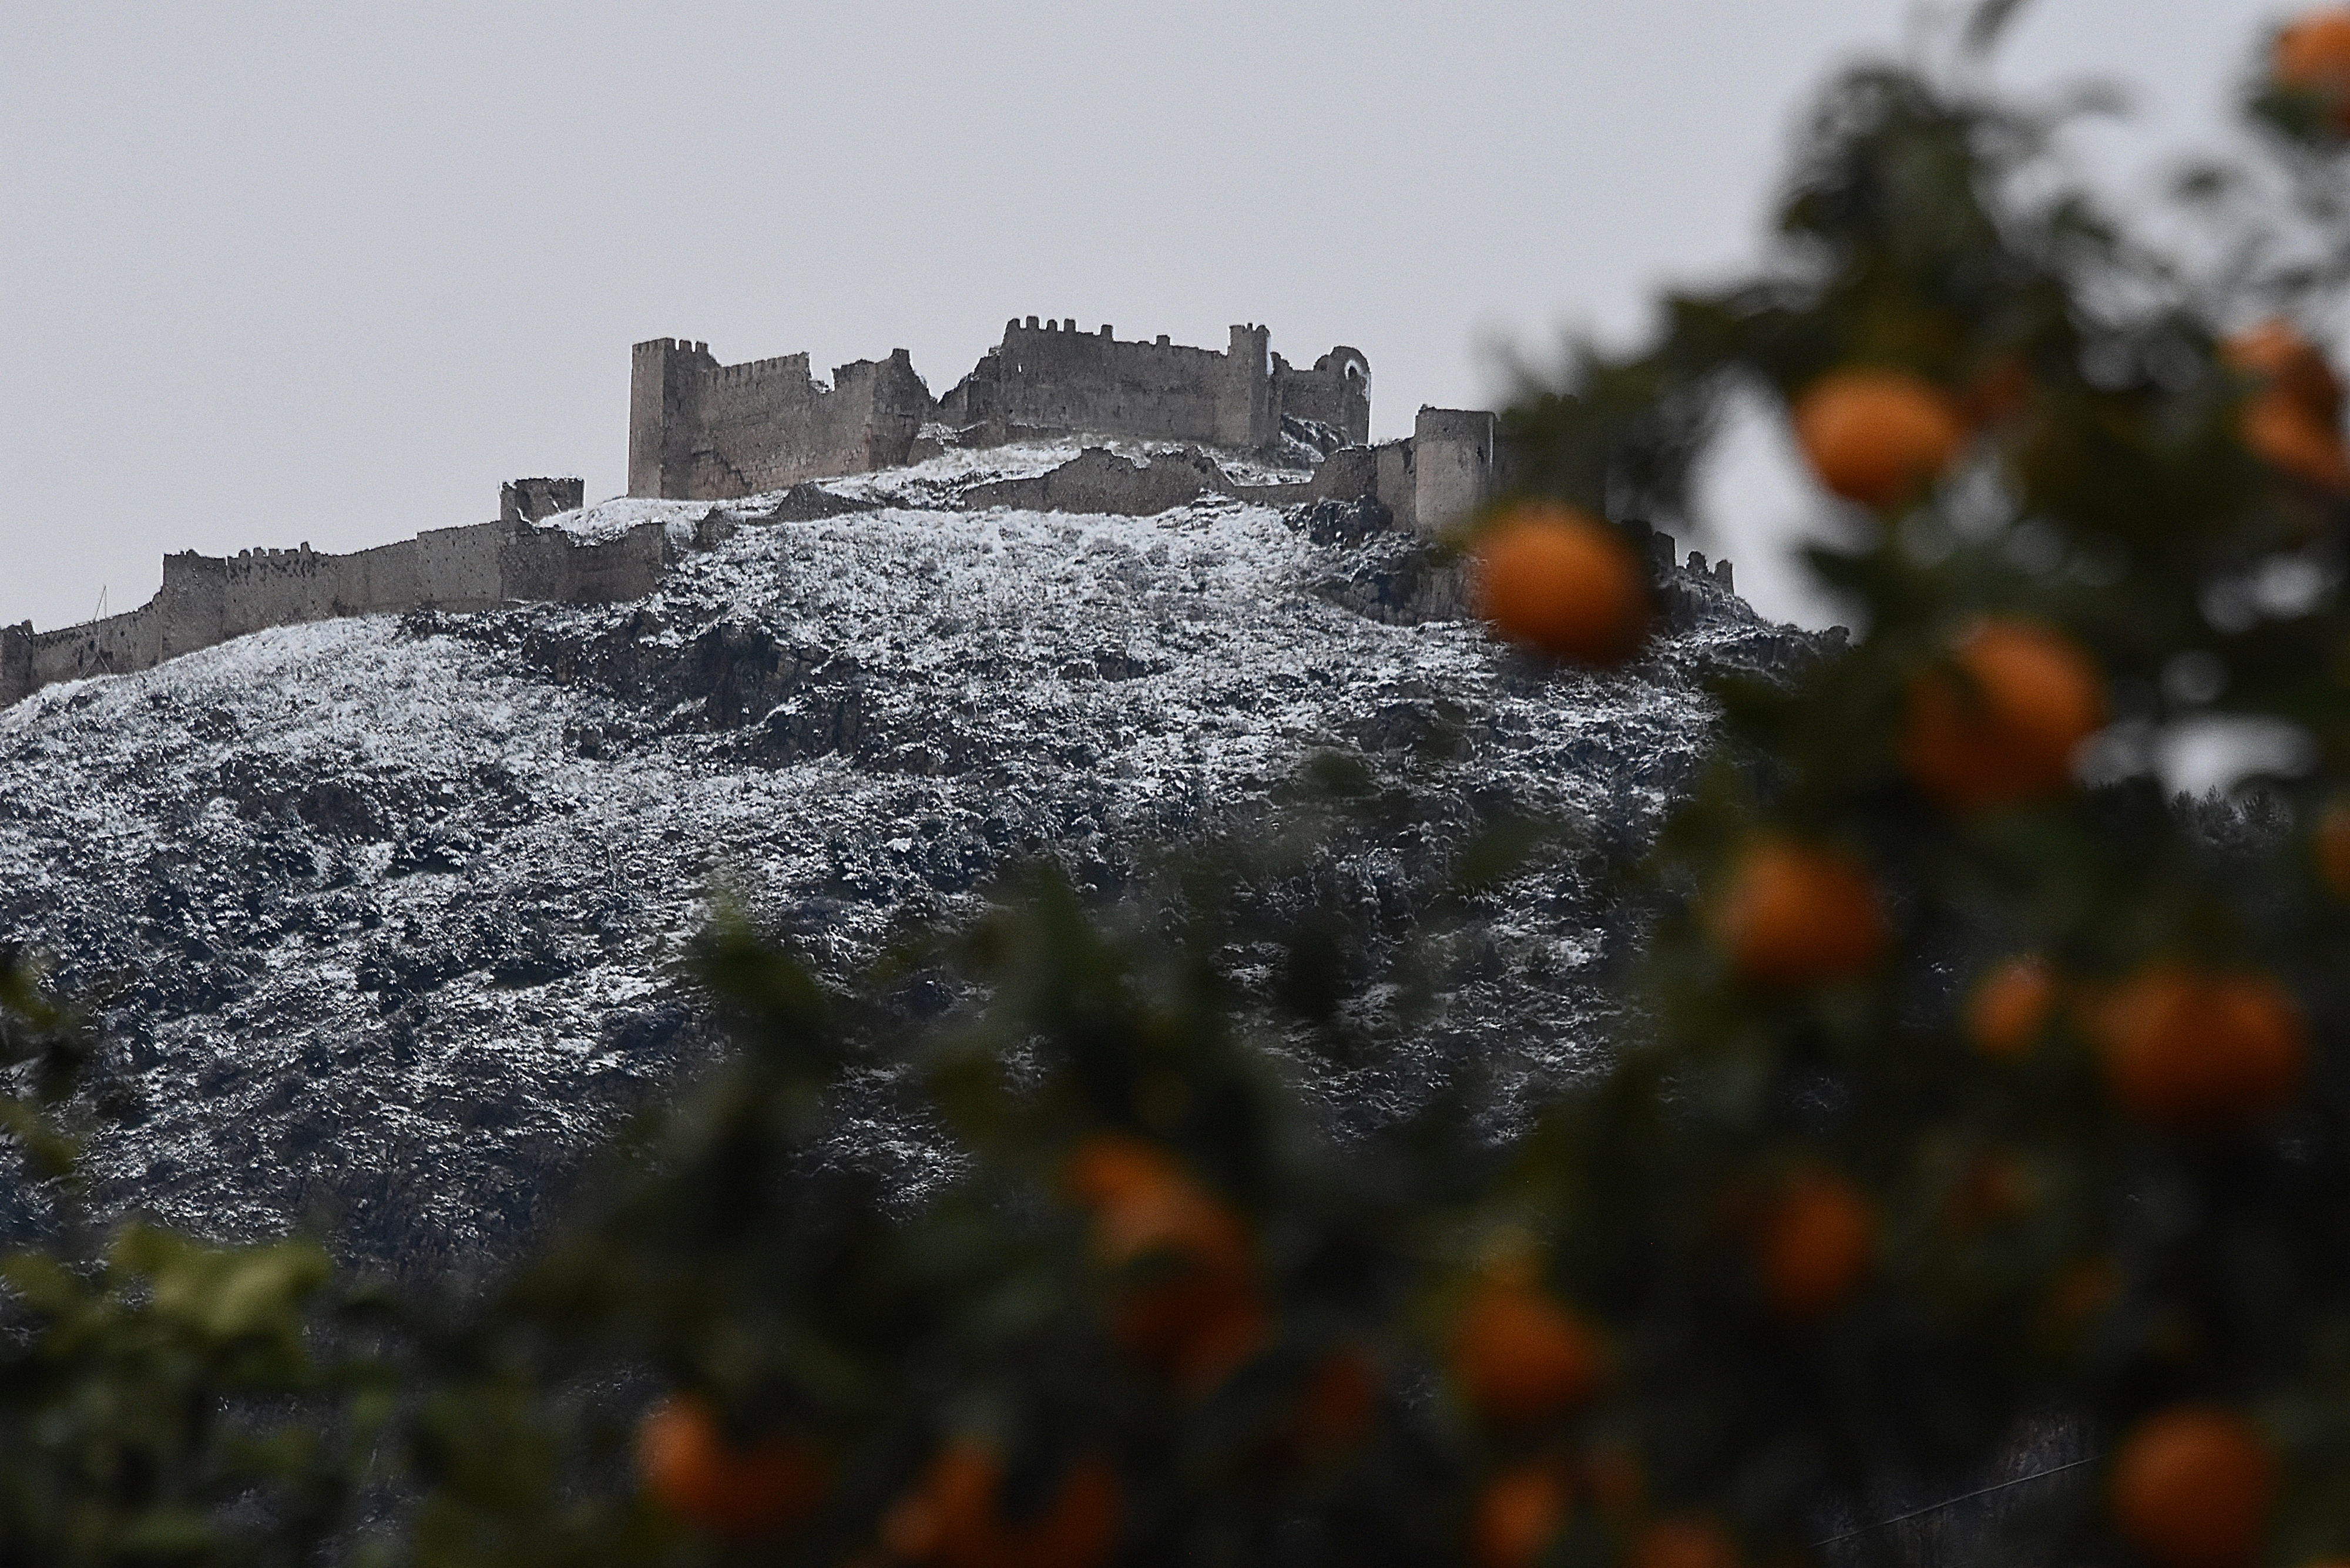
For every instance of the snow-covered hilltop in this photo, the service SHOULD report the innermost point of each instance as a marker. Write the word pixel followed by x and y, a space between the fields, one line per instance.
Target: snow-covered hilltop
pixel 378 916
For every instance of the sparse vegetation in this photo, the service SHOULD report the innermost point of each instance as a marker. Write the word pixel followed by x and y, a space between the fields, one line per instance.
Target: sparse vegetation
pixel 1977 1123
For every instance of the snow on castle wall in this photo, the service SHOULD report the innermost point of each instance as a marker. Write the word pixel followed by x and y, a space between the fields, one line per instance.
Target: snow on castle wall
pixel 1053 376
pixel 534 500
pixel 206 600
pixel 699 431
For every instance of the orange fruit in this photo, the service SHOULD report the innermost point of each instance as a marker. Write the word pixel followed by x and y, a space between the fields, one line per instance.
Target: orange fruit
pixel 2331 845
pixel 2194 1051
pixel 1799 914
pixel 688 1465
pixel 2282 361
pixel 1684 1543
pixel 1998 724
pixel 1195 1329
pixel 1818 1243
pixel 1560 580
pixel 1878 436
pixel 2289 439
pixel 2313 56
pixel 954 1517
pixel 2293 421
pixel 1195 1315
pixel 2191 1487
pixel 2011 1004
pixel 1519 1513
pixel 1517 1356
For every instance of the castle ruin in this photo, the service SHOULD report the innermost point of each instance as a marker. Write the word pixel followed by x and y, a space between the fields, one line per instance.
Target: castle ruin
pixel 1056 378
pixel 207 600
pixel 699 431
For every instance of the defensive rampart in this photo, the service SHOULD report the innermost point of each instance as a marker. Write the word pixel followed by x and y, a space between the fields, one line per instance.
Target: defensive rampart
pixel 533 500
pixel 1053 376
pixel 1429 481
pixel 699 431
pixel 206 600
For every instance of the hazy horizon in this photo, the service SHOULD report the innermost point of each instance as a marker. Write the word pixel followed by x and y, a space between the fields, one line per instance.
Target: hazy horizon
pixel 282 277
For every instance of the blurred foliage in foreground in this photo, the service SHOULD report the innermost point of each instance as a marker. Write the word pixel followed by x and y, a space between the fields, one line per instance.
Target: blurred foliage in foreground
pixel 1982 1110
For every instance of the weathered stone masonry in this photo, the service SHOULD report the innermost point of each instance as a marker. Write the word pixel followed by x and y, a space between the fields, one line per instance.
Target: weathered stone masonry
pixel 1430 482
pixel 1056 378
pixel 699 431
pixel 534 500
pixel 206 600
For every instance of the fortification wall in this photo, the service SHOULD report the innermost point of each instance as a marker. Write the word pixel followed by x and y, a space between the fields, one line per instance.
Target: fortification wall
pixel 534 500
pixel 1053 376
pixel 1452 458
pixel 546 565
pixel 1100 480
pixel 1336 393
pixel 16 662
pixel 136 640
pixel 1430 482
pixel 699 431
pixel 206 600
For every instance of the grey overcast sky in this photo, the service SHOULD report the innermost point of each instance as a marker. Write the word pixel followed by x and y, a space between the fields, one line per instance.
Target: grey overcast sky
pixel 273 272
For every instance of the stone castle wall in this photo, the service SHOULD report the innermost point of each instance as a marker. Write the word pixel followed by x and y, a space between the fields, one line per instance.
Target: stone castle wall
pixel 534 500
pixel 1053 376
pixel 699 431
pixel 1430 482
pixel 206 600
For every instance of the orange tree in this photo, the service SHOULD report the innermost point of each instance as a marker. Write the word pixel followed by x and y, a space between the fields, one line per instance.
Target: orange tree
pixel 1978 1111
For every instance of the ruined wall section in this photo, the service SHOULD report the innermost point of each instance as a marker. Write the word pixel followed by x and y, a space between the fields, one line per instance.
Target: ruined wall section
pixel 16 662
pixel 206 600
pixel 699 431
pixel 545 565
pixel 1336 392
pixel 536 500
pixel 1099 481
pixel 1053 376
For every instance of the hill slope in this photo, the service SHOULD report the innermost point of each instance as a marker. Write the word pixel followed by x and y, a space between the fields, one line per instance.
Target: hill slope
pixel 379 916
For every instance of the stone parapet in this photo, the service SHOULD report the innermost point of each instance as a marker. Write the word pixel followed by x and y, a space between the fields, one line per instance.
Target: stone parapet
pixel 700 430
pixel 207 600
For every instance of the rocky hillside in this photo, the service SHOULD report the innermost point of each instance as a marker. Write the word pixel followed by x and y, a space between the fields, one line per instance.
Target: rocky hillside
pixel 380 919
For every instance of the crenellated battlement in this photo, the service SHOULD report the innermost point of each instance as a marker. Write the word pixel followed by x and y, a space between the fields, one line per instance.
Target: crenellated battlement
pixel 208 599
pixel 699 431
